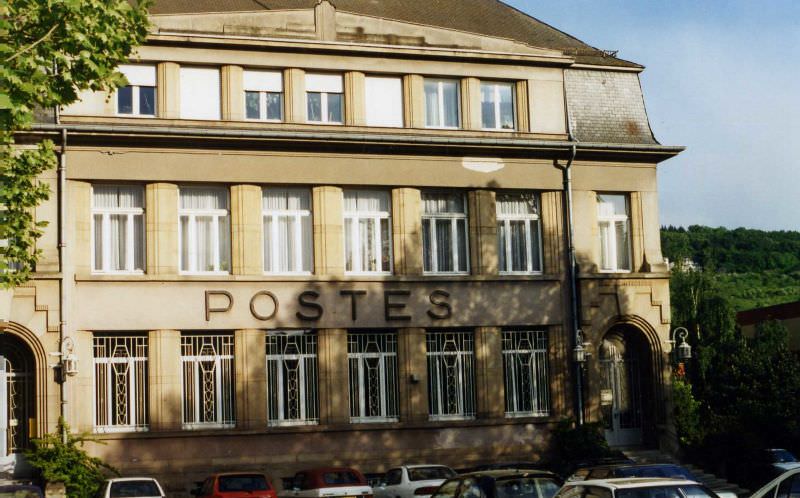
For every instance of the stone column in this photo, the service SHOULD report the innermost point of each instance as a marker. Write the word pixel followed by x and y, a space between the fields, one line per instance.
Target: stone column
pixel 355 110
pixel 251 379
pixel 80 217
pixel 471 104
pixel 334 401
pixel 412 375
pixel 414 100
pixel 246 230
pixel 294 95
pixel 483 232
pixel 328 231
pixel 164 378
pixel 168 92
pixel 407 231
pixel 232 79
pixel 489 383
pixel 161 228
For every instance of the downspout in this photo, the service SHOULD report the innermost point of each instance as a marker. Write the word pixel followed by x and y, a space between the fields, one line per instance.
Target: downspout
pixel 62 254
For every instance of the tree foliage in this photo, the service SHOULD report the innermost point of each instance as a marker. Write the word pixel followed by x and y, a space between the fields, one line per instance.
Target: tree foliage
pixel 50 51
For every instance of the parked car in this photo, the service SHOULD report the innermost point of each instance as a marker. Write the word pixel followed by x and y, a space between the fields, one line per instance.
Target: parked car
pixel 669 470
pixel 509 466
pixel 236 485
pixel 765 466
pixel 410 481
pixel 501 484
pixel 635 487
pixel 786 485
pixel 138 487
pixel 20 491
pixel 328 482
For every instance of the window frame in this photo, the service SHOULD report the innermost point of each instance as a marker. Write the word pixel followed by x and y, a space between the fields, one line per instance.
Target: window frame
pixel 372 76
pixel 466 397
pixel 611 242
pixel 297 216
pixel 130 244
pixel 440 103
pixel 262 98
pixel 530 220
pixel 193 214
pixel 136 373
pixel 308 403
pixel 496 104
pixel 215 113
pixel 538 351
pixel 223 357
pixel 136 94
pixel 358 343
pixel 374 217
pixel 324 104
pixel 451 218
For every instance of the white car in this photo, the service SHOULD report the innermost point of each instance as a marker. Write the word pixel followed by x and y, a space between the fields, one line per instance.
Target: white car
pixel 328 482
pixel 130 487
pixel 413 481
pixel 635 487
pixel 785 485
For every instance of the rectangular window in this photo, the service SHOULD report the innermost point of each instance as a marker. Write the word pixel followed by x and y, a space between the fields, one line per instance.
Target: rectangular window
pixel 444 232
pixel 118 229
pixel 525 373
pixel 263 95
pixel 120 383
pixel 324 98
pixel 292 396
pixel 384 101
pixel 208 383
pixel 497 106
pixel 451 375
pixel 138 98
pixel 614 228
pixel 367 231
pixel 519 233
pixel 373 376
pixel 205 233
pixel 288 238
pixel 442 103
pixel 200 93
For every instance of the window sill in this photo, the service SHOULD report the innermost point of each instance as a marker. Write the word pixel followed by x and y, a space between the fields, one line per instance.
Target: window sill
pixel 134 273
pixel 119 429
pixel 447 418
pixel 329 123
pixel 291 423
pixel 206 426
pixel 204 274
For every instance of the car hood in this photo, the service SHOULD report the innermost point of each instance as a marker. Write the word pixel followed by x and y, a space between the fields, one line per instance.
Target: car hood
pixel 786 465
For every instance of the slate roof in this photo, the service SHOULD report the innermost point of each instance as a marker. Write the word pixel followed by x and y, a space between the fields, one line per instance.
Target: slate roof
pixel 486 17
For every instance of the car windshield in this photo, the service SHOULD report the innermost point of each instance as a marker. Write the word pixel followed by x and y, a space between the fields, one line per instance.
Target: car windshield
pixel 428 473
pixel 782 456
pixel 687 491
pixel 145 487
pixel 526 487
pixel 673 471
pixel 341 477
pixel 243 482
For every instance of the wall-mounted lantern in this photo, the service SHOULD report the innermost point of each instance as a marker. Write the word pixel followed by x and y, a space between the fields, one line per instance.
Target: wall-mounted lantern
pixel 683 351
pixel 580 353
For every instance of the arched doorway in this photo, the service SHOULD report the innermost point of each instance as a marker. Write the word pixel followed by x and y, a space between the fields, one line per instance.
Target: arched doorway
pixel 17 395
pixel 626 385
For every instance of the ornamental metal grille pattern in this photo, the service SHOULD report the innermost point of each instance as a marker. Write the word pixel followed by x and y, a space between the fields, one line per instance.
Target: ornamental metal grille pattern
pixel 208 384
pixel 525 373
pixel 451 375
pixel 19 390
pixel 120 383
pixel 292 378
pixel 373 376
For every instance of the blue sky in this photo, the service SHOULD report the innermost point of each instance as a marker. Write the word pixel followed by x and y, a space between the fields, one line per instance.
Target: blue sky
pixel 723 79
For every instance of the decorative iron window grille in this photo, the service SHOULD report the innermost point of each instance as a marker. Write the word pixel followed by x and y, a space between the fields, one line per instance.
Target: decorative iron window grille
pixel 451 375
pixel 292 373
pixel 120 383
pixel 16 395
pixel 373 376
pixel 208 383
pixel 525 373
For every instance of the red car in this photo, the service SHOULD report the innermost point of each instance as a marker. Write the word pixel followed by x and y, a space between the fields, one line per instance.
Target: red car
pixel 236 485
pixel 328 482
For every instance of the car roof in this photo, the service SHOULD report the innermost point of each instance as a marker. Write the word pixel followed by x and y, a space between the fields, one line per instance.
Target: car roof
pixel 633 482
pixel 320 470
pixel 239 473
pixel 424 465
pixel 496 473
pixel 121 479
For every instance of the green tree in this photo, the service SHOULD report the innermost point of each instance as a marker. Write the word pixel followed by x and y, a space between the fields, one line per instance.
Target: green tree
pixel 50 51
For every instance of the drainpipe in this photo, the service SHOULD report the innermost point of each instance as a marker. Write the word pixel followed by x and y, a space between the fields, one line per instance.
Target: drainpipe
pixel 572 277
pixel 62 254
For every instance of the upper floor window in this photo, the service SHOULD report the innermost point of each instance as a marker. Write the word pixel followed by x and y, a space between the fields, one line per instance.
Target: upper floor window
pixel 118 228
pixel 384 101
pixel 518 233
pixel 372 357
pixel 324 98
pixel 288 245
pixel 200 93
pixel 442 103
pixel 120 383
pixel 451 375
pixel 205 233
pixel 263 95
pixel 444 232
pixel 138 98
pixel 293 398
pixel 497 106
pixel 614 228
pixel 209 392
pixel 367 231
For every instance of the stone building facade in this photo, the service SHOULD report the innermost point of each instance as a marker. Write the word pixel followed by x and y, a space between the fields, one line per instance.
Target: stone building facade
pixel 313 233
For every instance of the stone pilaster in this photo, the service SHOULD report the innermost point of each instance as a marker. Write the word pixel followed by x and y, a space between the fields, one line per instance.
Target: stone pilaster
pixel 552 223
pixel 80 217
pixel 483 232
pixel 334 400
pixel 471 104
pixel 412 374
pixel 164 380
pixel 161 228
pixel 168 93
pixel 81 386
pixel 414 100
pixel 232 78
pixel 407 231
pixel 490 395
pixel 328 231
pixel 294 95
pixel 246 230
pixel 355 111
pixel 251 379
pixel 522 109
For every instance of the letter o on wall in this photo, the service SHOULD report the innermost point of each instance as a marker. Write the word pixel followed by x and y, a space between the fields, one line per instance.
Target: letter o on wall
pixel 257 313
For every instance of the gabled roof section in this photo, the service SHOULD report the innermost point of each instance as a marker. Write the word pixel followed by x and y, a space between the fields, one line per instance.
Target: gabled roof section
pixel 486 17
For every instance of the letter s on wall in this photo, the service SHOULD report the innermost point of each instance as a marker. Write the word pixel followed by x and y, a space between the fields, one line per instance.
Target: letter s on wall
pixel 303 301
pixel 438 298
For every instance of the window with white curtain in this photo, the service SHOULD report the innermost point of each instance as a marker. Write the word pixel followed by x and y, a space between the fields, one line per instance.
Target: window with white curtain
pixel 200 93
pixel 372 357
pixel 525 373
pixel 292 368
pixel 384 101
pixel 205 232
pixel 288 238
pixel 138 97
pixel 209 394
pixel 120 383
pixel 263 95
pixel 518 233
pixel 497 106
pixel 442 103
pixel 367 231
pixel 451 374
pixel 324 98
pixel 118 228
pixel 444 232
pixel 614 232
